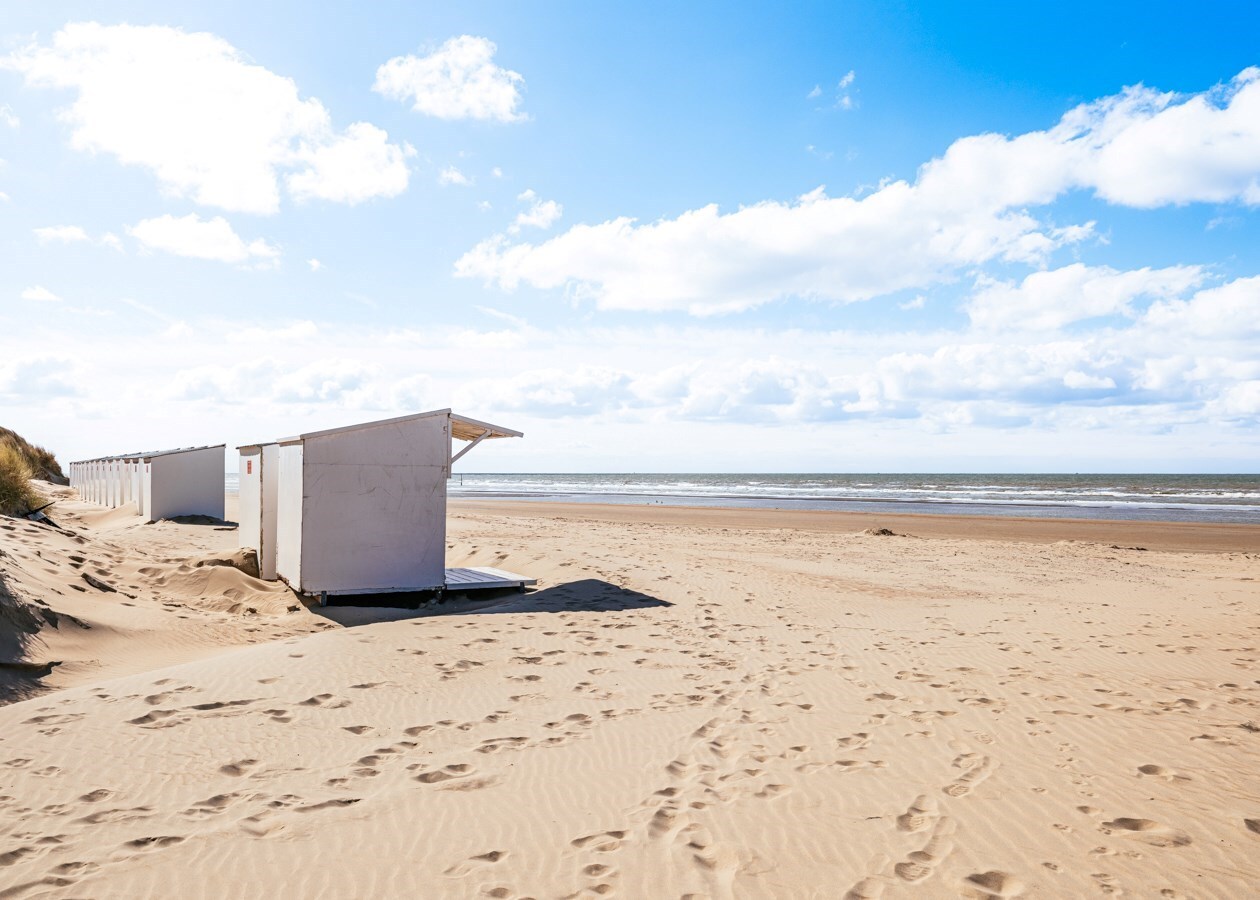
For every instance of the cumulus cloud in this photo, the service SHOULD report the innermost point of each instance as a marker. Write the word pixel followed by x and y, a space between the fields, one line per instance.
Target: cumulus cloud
pixel 1229 311
pixel 36 378
pixel 541 213
pixel 452 175
pixel 356 165
pixel 1053 299
pixel 75 234
pixel 968 207
pixel 212 239
pixel 550 392
pixel 9 117
pixel 704 261
pixel 40 294
pixel 209 124
pixel 459 80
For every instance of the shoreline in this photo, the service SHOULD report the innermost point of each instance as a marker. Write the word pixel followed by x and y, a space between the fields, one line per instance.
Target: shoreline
pixel 1196 537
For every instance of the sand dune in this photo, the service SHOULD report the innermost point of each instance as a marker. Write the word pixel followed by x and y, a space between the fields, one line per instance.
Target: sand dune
pixel 683 709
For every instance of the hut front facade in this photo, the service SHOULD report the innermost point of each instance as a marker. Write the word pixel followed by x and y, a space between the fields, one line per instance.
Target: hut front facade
pixel 257 513
pixel 360 509
pixel 161 484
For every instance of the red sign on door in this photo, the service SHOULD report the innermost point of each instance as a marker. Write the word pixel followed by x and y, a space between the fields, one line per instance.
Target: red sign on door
pixel 249 467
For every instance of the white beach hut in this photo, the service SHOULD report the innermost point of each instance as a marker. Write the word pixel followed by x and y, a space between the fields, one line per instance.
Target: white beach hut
pixel 257 514
pixel 362 509
pixel 161 485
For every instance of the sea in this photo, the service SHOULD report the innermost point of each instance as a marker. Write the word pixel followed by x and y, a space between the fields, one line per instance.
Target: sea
pixel 1177 498
pixel 1167 498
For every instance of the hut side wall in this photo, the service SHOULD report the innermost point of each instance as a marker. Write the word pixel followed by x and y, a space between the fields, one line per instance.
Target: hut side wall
pixel 187 484
pixel 374 515
pixel 289 514
pixel 146 490
pixel 258 513
pixel 270 488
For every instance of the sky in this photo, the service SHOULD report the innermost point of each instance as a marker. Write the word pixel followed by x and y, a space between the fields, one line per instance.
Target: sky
pixel 833 237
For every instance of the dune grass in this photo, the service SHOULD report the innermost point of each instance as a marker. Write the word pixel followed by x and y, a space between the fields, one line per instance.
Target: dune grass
pixel 42 461
pixel 20 461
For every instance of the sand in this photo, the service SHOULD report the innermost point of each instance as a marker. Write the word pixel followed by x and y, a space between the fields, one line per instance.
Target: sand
pixel 692 704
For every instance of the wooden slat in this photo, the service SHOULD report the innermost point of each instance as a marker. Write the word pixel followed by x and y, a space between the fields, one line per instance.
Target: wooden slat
pixel 484 578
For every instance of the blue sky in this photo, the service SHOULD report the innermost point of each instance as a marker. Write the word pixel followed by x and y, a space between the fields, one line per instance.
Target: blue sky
pixel 841 237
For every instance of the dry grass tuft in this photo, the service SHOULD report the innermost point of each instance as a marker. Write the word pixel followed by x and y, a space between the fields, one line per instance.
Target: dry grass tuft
pixel 42 461
pixel 20 461
pixel 17 496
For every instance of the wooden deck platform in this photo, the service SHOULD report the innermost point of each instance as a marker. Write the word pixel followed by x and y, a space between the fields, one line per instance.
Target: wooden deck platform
pixel 484 578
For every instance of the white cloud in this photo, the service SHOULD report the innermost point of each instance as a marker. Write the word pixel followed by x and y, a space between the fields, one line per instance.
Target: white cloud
pixel 844 96
pixel 541 213
pixel 1229 311
pixel 914 303
pixel 356 165
pixel 815 93
pixel 452 175
pixel 707 262
pixel 40 294
pixel 1080 381
pixel 968 207
pixel 314 264
pixel 457 81
pixel 28 379
pixel 1048 300
pixel 61 234
pixel 211 239
pixel 674 396
pixel 75 234
pixel 9 117
pixel 209 124
pixel 496 172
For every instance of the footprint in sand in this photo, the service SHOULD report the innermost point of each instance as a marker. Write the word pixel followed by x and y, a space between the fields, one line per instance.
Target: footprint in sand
pixel 1162 772
pixel 159 718
pixel 919 865
pixel 1148 831
pixel 992 885
pixel 238 768
pixel 446 773
pixel 920 815
pixel 965 783
pixel 600 842
pixel 154 843
pixel 475 862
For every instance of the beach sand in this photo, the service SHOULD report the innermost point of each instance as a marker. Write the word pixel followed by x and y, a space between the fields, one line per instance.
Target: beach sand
pixel 694 703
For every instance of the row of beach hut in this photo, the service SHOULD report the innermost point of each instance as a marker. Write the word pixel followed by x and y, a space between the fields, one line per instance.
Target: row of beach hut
pixel 161 484
pixel 353 510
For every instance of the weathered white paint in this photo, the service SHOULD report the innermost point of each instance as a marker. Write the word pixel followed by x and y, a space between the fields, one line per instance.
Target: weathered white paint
pixel 249 530
pixel 187 483
pixel 289 512
pixel 144 506
pixel 362 509
pixel 183 482
pixel 258 507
